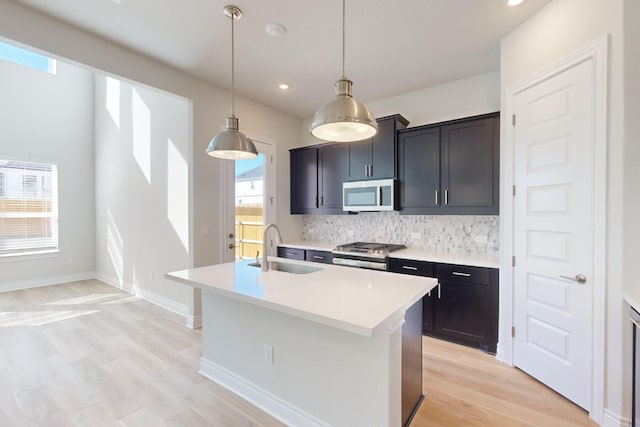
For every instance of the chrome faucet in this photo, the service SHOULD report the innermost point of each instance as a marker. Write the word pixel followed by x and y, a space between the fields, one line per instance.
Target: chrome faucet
pixel 265 265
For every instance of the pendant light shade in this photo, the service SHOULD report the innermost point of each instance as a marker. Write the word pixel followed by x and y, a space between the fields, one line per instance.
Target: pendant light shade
pixel 232 144
pixel 343 119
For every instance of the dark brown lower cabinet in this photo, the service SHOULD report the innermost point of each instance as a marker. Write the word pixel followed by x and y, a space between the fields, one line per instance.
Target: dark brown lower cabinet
pixel 463 308
pixel 312 255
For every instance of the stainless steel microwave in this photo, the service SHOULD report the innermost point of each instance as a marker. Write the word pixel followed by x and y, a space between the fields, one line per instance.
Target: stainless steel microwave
pixel 374 195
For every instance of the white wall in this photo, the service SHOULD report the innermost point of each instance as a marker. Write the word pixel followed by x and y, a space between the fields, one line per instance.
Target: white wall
pixel 631 269
pixel 210 107
pixel 49 118
pixel 142 160
pixel 453 100
pixel 558 30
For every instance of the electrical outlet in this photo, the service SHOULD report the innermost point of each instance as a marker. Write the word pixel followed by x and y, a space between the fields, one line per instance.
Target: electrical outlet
pixel 153 276
pixel 415 236
pixel 350 233
pixel 68 261
pixel 268 353
pixel 204 231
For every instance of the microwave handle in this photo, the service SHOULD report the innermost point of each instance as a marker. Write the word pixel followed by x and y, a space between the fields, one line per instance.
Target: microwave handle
pixel 380 195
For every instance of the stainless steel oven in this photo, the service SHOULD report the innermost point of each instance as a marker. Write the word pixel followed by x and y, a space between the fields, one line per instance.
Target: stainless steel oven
pixel 373 256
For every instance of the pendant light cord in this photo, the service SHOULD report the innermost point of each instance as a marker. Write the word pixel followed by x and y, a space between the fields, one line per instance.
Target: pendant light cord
pixel 343 38
pixel 233 82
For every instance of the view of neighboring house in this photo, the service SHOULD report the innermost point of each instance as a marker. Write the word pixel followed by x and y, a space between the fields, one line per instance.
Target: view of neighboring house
pixel 249 186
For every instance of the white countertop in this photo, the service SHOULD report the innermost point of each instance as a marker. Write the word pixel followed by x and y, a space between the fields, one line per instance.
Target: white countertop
pixel 473 260
pixel 353 299
pixel 308 244
pixel 633 298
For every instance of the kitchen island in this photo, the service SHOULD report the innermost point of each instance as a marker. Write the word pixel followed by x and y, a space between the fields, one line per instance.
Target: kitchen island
pixel 317 345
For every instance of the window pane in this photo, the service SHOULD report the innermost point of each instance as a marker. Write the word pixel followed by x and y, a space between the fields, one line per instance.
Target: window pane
pixel 28 210
pixel 26 57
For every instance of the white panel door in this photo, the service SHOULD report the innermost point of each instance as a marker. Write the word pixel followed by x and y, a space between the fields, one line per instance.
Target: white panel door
pixel 553 231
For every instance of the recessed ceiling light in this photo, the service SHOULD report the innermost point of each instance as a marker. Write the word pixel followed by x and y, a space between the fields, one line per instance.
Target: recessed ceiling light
pixel 275 30
pixel 513 2
pixel 284 86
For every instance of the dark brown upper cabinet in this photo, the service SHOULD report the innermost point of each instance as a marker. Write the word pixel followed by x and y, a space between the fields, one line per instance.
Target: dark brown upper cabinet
pixel 375 158
pixel 317 174
pixel 450 168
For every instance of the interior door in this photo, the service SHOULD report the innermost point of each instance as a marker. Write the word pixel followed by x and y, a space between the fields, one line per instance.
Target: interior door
pixel 553 231
pixel 249 204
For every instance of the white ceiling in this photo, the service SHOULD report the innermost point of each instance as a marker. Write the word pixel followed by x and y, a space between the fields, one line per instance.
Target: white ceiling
pixel 393 46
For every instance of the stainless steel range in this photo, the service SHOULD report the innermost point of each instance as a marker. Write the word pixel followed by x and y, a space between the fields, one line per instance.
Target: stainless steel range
pixel 364 255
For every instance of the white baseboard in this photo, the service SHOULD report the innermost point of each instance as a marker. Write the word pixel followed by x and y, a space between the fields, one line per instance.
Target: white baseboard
pixel 500 355
pixel 164 302
pixel 47 281
pixel 112 281
pixel 611 419
pixel 271 404
pixel 194 322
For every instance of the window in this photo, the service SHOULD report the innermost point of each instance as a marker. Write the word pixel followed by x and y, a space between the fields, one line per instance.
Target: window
pixel 28 211
pixel 25 57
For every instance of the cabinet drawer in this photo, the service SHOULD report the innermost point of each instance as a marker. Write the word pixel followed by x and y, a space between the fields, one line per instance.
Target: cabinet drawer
pixel 324 257
pixel 413 267
pixel 292 253
pixel 464 274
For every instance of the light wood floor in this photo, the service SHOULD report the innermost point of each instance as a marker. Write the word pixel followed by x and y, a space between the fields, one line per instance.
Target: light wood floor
pixel 86 354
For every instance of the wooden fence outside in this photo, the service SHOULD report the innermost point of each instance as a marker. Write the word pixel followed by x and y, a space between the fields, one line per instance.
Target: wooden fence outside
pixel 248 231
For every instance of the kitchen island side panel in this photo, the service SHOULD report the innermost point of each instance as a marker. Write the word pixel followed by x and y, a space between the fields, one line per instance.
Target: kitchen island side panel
pixel 338 377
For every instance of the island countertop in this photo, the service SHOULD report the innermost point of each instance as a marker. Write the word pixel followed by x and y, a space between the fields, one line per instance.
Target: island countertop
pixel 352 299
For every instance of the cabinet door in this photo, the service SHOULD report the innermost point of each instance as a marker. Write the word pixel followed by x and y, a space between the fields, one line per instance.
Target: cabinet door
pixel 419 170
pixel 383 150
pixel 304 180
pixel 359 159
pixel 291 253
pixel 470 161
pixel 462 314
pixel 332 171
pixel 324 257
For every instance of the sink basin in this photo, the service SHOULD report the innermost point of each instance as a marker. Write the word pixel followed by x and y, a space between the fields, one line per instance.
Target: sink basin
pixel 288 267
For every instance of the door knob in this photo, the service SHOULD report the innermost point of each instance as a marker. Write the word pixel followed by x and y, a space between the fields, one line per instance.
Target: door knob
pixel 231 246
pixel 231 235
pixel 580 278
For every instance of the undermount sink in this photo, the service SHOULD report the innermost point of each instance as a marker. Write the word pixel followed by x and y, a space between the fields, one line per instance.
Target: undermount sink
pixel 288 267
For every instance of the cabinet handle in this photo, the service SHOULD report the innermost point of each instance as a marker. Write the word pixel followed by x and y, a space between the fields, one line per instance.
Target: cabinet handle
pixel 370 170
pixel 316 201
pixel 436 197
pixel 408 267
pixel 439 294
pixel 321 200
pixel 366 170
pixel 291 254
pixel 446 197
pixel 455 273
pixel 318 257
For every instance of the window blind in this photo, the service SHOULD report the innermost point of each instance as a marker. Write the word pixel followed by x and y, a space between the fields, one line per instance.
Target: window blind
pixel 28 207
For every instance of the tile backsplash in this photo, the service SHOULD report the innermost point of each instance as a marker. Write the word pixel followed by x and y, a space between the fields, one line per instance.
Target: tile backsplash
pixel 470 234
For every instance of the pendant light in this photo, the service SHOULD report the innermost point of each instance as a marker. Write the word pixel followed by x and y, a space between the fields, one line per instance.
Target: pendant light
pixel 344 119
pixel 231 143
